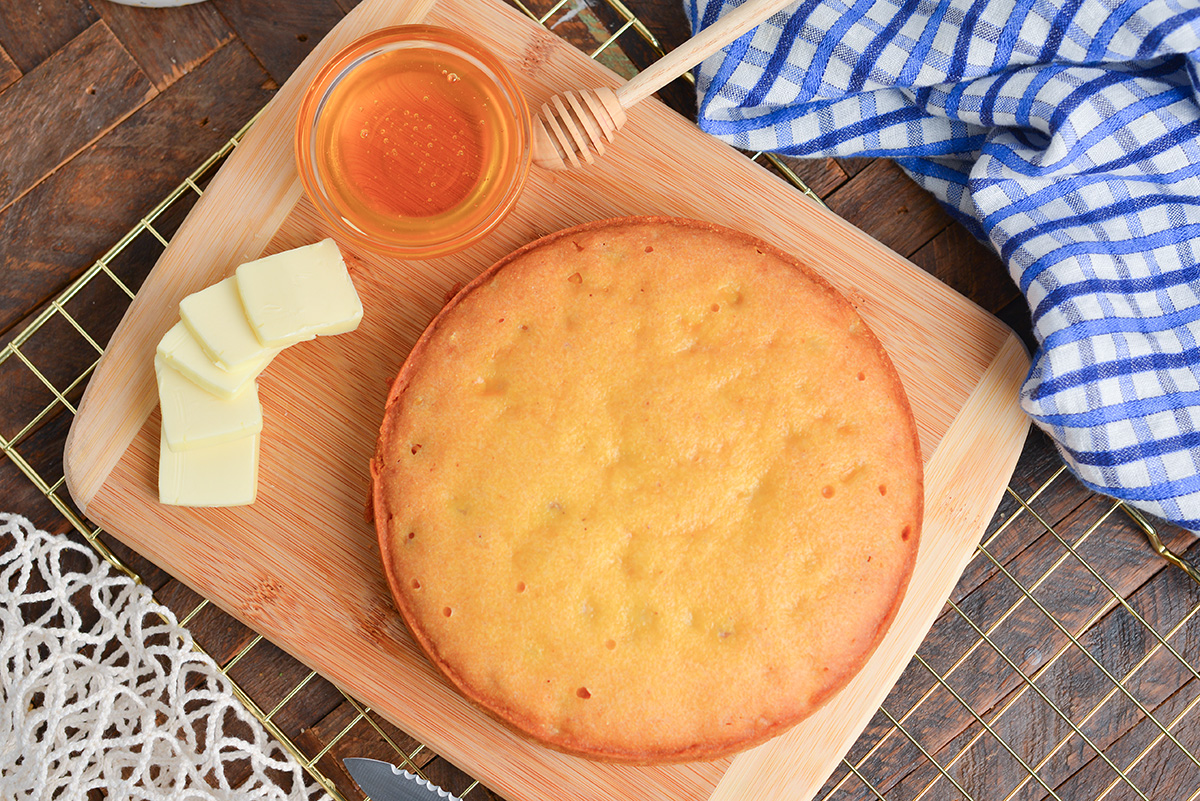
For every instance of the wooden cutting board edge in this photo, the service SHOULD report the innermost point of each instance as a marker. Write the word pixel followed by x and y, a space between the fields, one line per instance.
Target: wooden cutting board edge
pixel 958 490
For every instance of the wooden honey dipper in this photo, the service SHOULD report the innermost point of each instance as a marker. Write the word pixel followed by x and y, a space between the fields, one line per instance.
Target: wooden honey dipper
pixel 574 124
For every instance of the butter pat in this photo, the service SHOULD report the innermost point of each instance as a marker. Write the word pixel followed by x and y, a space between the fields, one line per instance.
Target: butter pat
pixel 217 320
pixel 193 417
pixel 180 350
pixel 218 475
pixel 299 294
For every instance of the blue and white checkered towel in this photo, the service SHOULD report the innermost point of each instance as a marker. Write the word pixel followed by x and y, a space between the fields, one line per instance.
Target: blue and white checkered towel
pixel 1062 131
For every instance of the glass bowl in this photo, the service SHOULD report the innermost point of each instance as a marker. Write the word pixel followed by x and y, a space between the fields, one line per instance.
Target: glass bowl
pixel 413 141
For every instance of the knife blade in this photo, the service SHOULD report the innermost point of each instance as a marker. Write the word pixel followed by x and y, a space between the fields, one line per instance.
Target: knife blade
pixel 383 781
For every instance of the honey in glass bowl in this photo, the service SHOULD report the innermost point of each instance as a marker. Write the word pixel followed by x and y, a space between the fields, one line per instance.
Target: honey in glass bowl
pixel 414 141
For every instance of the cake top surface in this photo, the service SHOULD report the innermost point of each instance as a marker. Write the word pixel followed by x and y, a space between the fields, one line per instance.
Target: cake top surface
pixel 648 490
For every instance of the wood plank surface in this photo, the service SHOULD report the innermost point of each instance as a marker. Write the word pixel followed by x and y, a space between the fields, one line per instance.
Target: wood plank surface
pixel 104 85
pixel 987 283
pixel 53 242
pixel 33 34
pixel 9 71
pixel 280 32
pixel 167 43
pixel 139 161
pixel 883 197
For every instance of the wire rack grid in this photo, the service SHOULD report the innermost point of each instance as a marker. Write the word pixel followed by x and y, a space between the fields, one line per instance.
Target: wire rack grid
pixel 1065 665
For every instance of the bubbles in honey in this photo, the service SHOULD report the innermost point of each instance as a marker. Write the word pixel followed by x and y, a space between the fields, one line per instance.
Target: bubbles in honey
pixel 423 155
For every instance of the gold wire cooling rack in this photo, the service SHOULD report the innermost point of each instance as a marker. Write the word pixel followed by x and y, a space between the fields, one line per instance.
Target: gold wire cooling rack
pixel 1065 665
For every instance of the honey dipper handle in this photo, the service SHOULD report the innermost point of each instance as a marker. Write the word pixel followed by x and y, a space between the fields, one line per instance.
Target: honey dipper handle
pixel 728 28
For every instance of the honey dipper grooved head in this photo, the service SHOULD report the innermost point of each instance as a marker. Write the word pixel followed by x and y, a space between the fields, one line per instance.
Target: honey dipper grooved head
pixel 571 126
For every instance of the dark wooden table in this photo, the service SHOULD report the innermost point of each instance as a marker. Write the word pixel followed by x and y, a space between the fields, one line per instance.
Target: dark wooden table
pixel 1065 636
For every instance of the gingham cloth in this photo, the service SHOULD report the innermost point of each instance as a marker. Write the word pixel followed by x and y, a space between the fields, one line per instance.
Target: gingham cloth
pixel 1064 133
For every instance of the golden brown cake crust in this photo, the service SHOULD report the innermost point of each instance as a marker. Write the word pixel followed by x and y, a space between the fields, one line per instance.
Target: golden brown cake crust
pixel 648 490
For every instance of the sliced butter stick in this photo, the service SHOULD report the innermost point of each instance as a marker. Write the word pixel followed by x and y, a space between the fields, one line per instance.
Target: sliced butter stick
pixel 193 417
pixel 299 294
pixel 225 474
pixel 216 319
pixel 180 350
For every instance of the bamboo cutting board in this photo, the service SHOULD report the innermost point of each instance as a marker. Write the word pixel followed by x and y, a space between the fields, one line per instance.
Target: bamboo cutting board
pixel 301 565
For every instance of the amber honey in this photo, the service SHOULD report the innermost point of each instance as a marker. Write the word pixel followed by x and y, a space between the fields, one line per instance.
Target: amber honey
pixel 417 142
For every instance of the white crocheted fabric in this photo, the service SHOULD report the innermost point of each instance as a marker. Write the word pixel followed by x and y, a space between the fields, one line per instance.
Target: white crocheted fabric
pixel 101 689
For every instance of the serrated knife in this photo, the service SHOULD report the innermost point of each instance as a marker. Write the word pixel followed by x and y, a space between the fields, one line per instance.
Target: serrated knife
pixel 383 781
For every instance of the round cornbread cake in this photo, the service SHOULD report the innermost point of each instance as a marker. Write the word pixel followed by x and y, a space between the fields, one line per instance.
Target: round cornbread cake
pixel 648 490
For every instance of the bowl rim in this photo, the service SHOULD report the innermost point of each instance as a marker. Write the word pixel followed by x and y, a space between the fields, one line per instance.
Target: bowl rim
pixel 356 53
